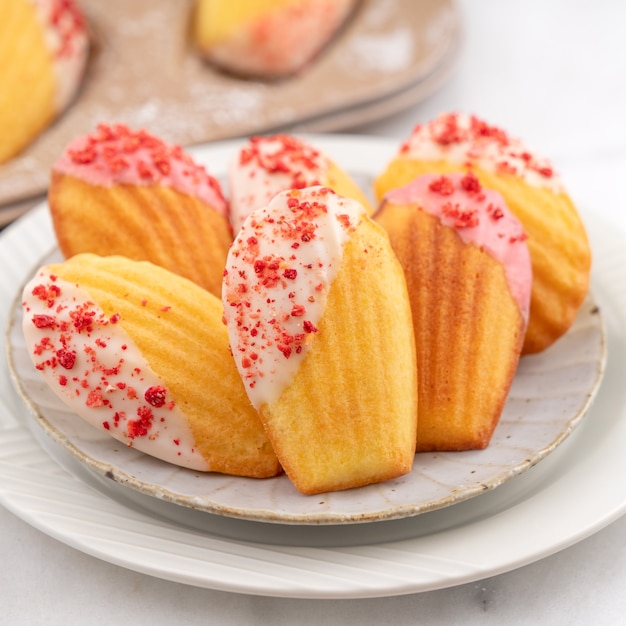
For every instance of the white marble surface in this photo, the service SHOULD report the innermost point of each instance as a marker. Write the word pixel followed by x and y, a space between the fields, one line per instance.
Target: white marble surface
pixel 554 74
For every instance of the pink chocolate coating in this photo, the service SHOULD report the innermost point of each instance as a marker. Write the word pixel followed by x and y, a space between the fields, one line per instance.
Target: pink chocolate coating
pixel 115 154
pixel 480 217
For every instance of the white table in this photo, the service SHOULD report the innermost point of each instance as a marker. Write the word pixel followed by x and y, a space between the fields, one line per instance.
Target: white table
pixel 553 73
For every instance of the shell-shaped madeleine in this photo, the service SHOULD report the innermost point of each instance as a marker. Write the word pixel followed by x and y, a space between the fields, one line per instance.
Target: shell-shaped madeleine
pixel 557 240
pixel 320 325
pixel 142 354
pixel 267 165
pixel 125 192
pixel 468 275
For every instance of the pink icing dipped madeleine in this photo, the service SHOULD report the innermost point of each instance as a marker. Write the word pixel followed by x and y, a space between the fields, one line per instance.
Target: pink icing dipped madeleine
pixel 266 38
pixel 320 327
pixel 142 354
pixel 126 192
pixel 266 165
pixel 43 50
pixel 469 278
pixel 532 190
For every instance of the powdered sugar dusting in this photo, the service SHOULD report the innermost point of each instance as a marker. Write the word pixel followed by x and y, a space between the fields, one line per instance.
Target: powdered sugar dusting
pixel 384 52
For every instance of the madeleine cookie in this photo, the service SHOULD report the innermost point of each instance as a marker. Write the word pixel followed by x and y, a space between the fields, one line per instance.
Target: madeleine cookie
pixel 320 327
pixel 267 165
pixel 266 38
pixel 469 278
pixel 142 354
pixel 557 240
pixel 119 191
pixel 43 51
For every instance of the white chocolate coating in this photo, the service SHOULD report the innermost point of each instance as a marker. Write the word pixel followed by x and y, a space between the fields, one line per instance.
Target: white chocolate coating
pixel 92 365
pixel 278 274
pixel 265 166
pixel 465 139
pixel 66 36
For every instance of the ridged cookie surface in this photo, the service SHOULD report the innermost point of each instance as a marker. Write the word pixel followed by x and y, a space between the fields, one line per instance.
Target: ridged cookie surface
pixel 124 192
pixel 143 354
pixel 349 416
pixel 468 275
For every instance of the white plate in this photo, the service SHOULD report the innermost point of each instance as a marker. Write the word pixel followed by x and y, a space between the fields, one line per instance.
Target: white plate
pixel 570 494
pixel 549 396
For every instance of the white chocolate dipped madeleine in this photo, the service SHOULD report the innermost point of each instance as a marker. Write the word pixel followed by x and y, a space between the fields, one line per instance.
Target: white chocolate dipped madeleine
pixel 320 327
pixel 469 279
pixel 142 354
pixel 532 190
pixel 267 165
pixel 44 47
pixel 266 38
pixel 124 191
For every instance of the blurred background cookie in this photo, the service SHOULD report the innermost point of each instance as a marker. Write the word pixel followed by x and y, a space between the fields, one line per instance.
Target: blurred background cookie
pixel 43 51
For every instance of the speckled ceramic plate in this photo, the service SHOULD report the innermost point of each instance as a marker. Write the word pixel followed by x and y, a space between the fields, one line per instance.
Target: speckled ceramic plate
pixel 549 397
pixel 144 72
